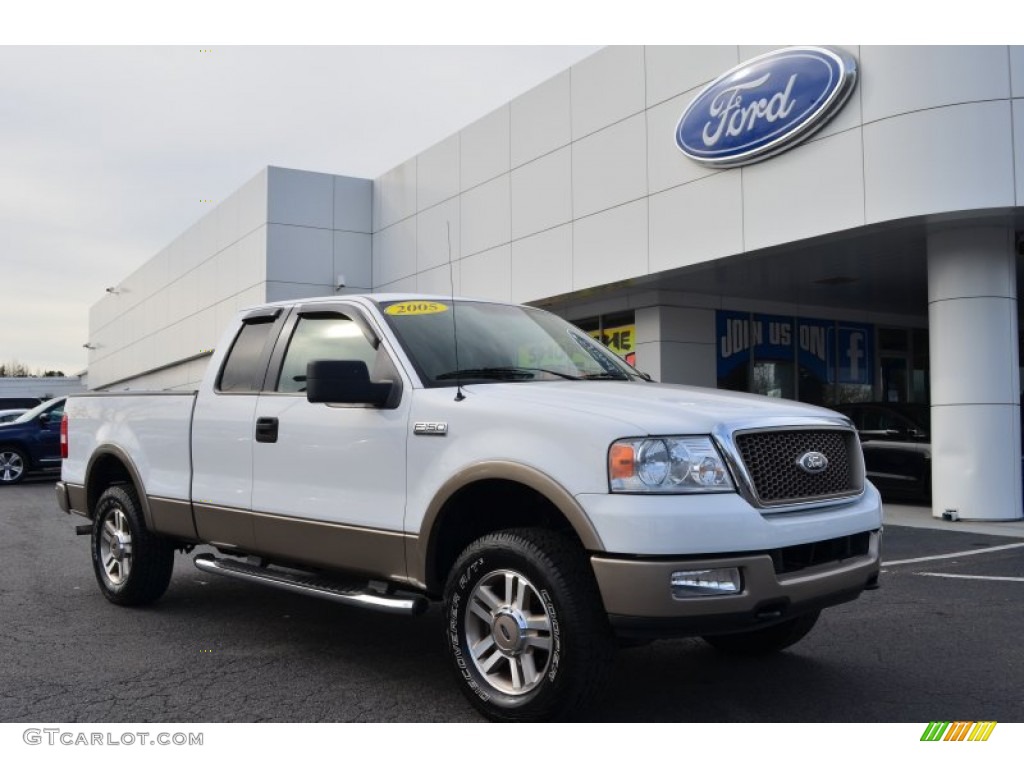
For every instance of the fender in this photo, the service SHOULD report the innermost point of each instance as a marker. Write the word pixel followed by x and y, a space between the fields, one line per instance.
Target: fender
pixel 172 517
pixel 418 550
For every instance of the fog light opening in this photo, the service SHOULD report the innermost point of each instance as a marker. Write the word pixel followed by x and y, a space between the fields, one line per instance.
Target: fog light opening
pixel 705 582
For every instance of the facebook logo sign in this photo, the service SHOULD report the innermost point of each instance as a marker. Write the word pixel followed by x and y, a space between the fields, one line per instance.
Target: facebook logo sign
pixel 856 358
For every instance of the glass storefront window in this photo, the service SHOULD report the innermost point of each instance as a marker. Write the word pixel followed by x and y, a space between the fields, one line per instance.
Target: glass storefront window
pixel 823 362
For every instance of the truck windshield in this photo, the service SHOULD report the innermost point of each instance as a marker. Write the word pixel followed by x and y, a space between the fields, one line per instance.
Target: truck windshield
pixel 497 342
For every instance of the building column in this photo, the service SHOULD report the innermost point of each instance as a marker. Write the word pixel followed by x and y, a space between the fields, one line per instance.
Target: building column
pixel 676 345
pixel 975 382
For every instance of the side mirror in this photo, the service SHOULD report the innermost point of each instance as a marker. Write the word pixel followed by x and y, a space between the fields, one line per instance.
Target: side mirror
pixel 344 381
pixel 44 419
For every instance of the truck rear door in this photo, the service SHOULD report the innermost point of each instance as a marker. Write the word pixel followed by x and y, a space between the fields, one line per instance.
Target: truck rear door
pixel 222 434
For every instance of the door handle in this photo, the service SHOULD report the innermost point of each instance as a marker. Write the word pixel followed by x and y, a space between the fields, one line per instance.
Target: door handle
pixel 266 429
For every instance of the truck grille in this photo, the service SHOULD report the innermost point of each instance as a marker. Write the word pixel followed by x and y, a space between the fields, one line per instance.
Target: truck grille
pixel 771 460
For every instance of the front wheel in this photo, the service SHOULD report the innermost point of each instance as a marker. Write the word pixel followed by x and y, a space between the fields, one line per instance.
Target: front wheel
pixel 132 565
pixel 525 627
pixel 760 642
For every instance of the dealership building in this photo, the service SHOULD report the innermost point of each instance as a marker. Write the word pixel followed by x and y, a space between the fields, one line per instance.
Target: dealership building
pixel 824 224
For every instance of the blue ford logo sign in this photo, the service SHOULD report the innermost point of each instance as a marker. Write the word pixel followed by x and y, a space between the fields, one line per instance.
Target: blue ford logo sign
pixel 765 105
pixel 813 462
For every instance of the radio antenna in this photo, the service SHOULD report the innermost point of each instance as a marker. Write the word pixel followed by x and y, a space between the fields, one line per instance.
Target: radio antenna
pixel 459 397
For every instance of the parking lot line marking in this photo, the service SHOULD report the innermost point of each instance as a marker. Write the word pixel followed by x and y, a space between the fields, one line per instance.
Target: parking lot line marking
pixel 968 576
pixel 965 553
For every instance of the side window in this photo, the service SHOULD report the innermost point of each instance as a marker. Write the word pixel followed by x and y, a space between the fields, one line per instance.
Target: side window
pixel 242 371
pixel 323 337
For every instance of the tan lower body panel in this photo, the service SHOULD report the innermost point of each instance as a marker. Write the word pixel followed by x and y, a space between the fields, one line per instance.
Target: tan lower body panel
pixel 370 551
pixel 172 517
pixel 225 526
pixel 330 545
pixel 643 588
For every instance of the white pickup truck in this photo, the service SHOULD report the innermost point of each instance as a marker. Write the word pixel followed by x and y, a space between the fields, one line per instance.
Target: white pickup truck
pixel 389 451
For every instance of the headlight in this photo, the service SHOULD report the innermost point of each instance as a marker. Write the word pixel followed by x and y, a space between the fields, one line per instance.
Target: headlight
pixel 667 465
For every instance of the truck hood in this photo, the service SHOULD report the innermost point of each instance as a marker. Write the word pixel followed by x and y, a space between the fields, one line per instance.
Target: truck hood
pixel 659 409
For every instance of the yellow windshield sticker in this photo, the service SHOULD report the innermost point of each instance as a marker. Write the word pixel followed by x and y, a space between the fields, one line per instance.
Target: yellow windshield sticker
pixel 416 308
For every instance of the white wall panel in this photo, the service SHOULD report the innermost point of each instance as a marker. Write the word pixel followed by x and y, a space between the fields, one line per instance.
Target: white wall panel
pixel 282 291
pixel 405 285
pixel 485 148
pixel 938 160
pixel 541 193
pixel 814 189
pixel 301 198
pixel 206 275
pixel 606 87
pixel 696 222
pixel 610 167
pixel 676 69
pixel 442 280
pixel 610 246
pixel 352 258
pixel 192 254
pixel 1017 70
pixel 687 324
pixel 252 203
pixel 688 363
pixel 1018 147
pixel 353 202
pixel 486 220
pixel 228 278
pixel 252 258
pixel 434 227
pixel 299 254
pixel 542 265
pixel 487 275
pixel 396 195
pixel 394 253
pixel 437 173
pixel 541 119
pixel 226 218
pixel 904 78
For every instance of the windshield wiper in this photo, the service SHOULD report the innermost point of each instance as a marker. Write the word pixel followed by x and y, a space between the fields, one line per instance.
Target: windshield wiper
pixel 609 376
pixel 501 373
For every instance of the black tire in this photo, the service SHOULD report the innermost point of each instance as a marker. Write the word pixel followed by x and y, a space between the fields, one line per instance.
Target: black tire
pixel 13 465
pixel 761 642
pixel 545 649
pixel 132 565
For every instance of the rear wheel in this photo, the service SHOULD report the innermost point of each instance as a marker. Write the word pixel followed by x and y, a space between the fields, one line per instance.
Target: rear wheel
pixel 13 464
pixel 132 565
pixel 525 627
pixel 760 642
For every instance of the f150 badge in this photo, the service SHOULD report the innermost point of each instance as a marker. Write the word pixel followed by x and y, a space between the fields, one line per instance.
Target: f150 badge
pixel 438 428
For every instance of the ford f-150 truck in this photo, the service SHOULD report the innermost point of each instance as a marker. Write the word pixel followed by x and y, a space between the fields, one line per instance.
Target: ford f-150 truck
pixel 389 451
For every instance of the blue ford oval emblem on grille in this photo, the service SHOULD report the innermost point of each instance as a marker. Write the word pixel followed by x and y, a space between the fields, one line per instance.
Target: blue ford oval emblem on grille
pixel 765 105
pixel 813 462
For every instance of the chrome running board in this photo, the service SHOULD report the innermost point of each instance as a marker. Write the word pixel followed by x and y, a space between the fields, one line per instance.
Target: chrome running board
pixel 304 584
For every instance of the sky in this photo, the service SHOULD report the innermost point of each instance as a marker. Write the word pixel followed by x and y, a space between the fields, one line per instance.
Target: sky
pixel 107 152
pixel 108 145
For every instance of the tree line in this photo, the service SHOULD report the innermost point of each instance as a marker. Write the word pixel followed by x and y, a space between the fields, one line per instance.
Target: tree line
pixel 19 370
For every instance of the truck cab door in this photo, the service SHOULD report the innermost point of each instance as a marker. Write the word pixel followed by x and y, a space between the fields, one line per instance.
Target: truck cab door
pixel 222 434
pixel 329 479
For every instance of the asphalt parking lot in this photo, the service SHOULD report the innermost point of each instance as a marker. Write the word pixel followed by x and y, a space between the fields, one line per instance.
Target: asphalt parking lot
pixel 943 639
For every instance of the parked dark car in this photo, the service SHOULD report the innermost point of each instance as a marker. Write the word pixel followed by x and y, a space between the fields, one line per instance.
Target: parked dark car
pixel 11 414
pixel 897 448
pixel 31 442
